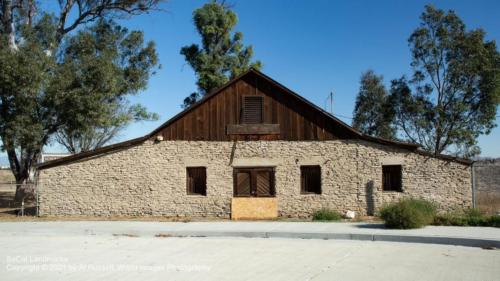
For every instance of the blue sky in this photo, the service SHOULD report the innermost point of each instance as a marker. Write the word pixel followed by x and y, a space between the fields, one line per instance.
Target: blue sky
pixel 312 47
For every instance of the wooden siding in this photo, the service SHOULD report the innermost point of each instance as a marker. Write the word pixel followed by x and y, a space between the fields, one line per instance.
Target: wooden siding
pixel 297 120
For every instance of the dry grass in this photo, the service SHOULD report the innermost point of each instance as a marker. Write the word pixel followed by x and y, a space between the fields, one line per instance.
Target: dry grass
pixel 7 181
pixel 6 176
pixel 488 201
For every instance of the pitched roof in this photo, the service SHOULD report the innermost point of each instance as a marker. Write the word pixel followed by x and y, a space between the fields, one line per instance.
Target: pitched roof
pixel 335 120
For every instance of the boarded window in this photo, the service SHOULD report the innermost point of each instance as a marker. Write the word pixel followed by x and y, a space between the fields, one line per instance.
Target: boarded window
pixel 310 179
pixel 254 182
pixel 252 110
pixel 391 178
pixel 196 180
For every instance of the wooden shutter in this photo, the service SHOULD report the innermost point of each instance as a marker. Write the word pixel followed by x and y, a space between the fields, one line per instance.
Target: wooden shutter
pixel 254 182
pixel 391 178
pixel 197 180
pixel 310 179
pixel 242 183
pixel 252 110
pixel 264 183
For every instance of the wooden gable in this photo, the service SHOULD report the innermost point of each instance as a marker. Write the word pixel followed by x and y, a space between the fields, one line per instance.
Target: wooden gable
pixel 220 116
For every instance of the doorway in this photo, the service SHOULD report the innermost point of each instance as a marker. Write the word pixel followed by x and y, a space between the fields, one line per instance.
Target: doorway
pixel 254 194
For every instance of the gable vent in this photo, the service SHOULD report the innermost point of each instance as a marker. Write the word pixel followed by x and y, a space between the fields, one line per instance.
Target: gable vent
pixel 252 110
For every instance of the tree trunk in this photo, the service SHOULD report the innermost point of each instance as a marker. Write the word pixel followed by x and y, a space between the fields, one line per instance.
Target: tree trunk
pixel 22 178
pixel 8 24
pixel 20 193
pixel 20 169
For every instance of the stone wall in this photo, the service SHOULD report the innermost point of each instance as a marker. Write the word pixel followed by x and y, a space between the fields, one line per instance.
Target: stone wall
pixel 150 179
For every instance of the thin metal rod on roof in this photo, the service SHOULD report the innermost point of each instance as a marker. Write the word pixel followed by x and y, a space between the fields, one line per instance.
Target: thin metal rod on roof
pixel 329 98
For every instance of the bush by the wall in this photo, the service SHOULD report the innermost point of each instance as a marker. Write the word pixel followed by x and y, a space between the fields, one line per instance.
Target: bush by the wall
pixel 470 217
pixel 408 213
pixel 493 221
pixel 326 214
pixel 450 220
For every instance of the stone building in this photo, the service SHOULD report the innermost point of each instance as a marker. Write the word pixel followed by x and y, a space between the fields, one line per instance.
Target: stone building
pixel 250 149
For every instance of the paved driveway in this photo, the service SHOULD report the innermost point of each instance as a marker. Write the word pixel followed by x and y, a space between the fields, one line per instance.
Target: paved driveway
pixel 80 257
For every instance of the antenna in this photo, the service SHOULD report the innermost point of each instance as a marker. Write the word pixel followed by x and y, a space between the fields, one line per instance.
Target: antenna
pixel 329 99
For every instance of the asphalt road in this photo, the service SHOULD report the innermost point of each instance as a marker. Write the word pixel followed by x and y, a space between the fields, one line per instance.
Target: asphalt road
pixel 66 257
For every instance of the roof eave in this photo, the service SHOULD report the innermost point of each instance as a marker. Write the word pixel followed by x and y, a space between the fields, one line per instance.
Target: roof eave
pixel 87 154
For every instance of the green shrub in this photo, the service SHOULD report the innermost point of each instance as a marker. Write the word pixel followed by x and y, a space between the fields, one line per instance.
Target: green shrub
pixel 408 213
pixel 326 214
pixel 493 221
pixel 470 217
pixel 450 220
pixel 475 217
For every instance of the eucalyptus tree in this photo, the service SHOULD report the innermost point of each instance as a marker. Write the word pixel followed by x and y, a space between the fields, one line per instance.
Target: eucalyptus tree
pixel 454 93
pixel 222 54
pixel 67 71
pixel 372 111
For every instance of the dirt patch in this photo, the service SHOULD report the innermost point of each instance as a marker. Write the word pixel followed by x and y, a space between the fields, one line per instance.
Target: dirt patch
pixel 126 235
pixel 163 235
pixel 10 209
pixel 11 215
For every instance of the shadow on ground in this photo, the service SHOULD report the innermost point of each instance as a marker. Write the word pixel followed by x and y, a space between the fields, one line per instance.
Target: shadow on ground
pixel 7 200
pixel 9 207
pixel 371 226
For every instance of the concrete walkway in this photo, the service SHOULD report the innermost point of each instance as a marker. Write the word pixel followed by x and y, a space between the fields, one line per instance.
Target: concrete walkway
pixel 448 235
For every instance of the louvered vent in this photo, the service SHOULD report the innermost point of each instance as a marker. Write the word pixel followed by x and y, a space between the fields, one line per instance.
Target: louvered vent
pixel 252 110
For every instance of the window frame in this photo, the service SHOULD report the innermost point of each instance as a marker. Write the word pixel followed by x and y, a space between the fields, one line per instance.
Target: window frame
pixel 190 190
pixel 253 185
pixel 399 187
pixel 302 180
pixel 243 107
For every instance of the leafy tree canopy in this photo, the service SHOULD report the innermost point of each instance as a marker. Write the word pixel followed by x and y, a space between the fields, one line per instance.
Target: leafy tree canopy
pixel 59 78
pixel 454 93
pixel 452 96
pixel 222 54
pixel 372 113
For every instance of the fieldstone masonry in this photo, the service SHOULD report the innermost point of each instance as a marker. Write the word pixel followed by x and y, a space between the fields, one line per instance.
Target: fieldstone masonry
pixel 150 178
